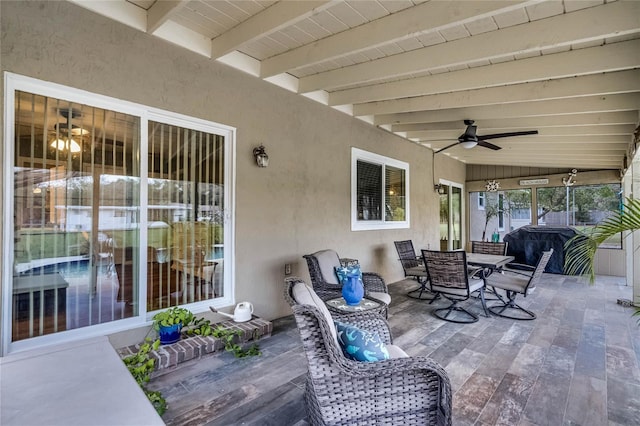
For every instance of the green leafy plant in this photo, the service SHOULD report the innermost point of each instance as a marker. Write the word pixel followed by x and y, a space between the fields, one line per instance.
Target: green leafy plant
pixel 172 316
pixel 231 345
pixel 141 365
pixel 202 327
pixel 581 249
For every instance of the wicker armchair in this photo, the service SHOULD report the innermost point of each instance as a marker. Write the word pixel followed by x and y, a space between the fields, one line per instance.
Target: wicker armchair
pixel 325 281
pixel 339 391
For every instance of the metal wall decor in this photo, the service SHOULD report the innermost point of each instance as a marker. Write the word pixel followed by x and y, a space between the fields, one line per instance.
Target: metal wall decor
pixel 571 179
pixel 492 186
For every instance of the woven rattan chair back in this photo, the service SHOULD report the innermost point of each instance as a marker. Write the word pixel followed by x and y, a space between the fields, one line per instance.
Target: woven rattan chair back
pixel 406 254
pixel 318 281
pixel 486 247
pixel 446 268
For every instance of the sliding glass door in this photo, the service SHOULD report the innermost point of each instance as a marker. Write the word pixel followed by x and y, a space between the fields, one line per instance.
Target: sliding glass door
pixel 76 186
pixel 115 214
pixel 450 217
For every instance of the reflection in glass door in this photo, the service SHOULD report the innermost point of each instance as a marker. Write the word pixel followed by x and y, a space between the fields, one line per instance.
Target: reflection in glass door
pixel 450 217
pixel 185 216
pixel 76 181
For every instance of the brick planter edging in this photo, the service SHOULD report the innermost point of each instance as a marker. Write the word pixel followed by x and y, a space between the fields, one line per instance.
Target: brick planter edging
pixel 194 347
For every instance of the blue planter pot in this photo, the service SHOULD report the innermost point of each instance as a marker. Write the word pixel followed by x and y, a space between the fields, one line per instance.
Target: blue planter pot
pixel 170 334
pixel 352 290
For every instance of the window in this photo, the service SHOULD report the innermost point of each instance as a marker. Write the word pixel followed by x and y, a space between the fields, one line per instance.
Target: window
pixel 481 200
pixel 503 212
pixel 99 189
pixel 379 192
pixel 582 207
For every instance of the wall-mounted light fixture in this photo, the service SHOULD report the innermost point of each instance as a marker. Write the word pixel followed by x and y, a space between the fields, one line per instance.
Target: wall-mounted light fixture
pixel 262 159
pixel 440 188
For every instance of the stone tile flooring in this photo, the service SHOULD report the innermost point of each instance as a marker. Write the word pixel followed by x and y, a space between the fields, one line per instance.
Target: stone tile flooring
pixel 576 364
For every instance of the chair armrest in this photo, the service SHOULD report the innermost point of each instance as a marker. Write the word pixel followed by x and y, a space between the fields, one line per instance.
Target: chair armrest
pixel 475 271
pixel 395 380
pixel 374 282
pixel 519 267
pixel 523 270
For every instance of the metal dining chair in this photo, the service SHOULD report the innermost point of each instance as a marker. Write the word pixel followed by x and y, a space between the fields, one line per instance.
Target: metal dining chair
pixel 413 267
pixel 513 283
pixel 449 277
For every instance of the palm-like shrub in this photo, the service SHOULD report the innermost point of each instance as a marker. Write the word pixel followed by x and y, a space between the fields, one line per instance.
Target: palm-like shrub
pixel 581 249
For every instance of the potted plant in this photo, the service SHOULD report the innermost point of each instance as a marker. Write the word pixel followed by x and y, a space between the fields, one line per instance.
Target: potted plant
pixel 169 323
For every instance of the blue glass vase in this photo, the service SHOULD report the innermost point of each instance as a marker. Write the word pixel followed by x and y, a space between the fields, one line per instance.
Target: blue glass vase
pixel 170 334
pixel 352 290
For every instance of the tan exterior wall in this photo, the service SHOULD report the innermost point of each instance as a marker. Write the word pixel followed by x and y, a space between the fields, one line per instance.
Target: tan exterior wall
pixel 299 204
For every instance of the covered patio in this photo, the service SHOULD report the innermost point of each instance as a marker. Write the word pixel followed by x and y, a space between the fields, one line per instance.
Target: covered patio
pixel 577 363
pixel 319 86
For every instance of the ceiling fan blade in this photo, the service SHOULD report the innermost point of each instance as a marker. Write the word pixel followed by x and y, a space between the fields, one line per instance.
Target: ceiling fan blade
pixel 488 145
pixel 447 147
pixel 508 134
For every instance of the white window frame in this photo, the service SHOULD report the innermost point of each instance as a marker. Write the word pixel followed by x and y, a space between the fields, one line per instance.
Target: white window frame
pixel 501 215
pixel 368 225
pixel 15 82
pixel 481 200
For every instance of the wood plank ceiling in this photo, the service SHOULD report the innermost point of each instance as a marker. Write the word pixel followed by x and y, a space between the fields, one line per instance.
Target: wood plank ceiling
pixel 567 68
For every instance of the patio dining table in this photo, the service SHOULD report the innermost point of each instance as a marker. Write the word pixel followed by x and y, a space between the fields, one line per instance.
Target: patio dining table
pixel 490 261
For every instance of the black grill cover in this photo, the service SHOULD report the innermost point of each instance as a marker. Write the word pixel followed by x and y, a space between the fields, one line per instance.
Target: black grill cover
pixel 528 243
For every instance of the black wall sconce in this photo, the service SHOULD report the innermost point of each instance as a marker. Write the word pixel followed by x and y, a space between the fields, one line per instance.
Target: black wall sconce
pixel 439 188
pixel 262 159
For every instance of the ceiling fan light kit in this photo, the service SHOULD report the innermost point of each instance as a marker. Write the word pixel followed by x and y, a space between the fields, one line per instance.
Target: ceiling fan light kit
pixel 68 143
pixel 469 139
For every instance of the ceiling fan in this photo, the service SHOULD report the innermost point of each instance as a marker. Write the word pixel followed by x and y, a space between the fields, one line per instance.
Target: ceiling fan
pixel 469 138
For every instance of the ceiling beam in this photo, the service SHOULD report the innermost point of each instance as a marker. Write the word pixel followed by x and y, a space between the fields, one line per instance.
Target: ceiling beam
pixel 411 22
pixel 596 118
pixel 548 162
pixel 608 58
pixel 270 20
pixel 617 102
pixel 595 84
pixel 161 11
pixel 589 24
pixel 119 10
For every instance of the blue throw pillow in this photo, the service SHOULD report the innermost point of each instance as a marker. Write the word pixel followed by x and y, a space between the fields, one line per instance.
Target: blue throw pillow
pixel 345 271
pixel 360 345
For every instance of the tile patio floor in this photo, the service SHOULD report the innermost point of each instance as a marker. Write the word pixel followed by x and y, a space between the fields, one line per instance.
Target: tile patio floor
pixel 577 364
